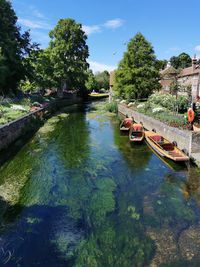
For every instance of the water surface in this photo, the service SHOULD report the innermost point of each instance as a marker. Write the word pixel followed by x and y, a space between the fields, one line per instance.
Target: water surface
pixel 79 194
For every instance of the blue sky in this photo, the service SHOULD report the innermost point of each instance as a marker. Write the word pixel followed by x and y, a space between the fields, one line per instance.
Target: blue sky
pixel 171 26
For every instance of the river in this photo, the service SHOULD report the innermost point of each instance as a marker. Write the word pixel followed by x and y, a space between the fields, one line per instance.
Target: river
pixel 79 194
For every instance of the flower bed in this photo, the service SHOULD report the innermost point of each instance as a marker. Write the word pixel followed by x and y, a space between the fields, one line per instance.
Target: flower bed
pixel 164 108
pixel 12 109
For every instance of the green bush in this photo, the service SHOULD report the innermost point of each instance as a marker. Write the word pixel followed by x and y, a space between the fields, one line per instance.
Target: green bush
pixel 112 107
pixel 169 102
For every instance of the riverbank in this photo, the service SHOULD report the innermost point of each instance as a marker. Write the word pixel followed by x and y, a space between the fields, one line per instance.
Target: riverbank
pixel 186 140
pixel 30 122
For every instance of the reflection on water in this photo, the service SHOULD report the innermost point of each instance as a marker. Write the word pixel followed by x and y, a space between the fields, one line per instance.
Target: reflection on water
pixel 79 194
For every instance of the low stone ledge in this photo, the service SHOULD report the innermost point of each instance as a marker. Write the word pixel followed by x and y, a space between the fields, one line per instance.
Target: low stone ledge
pixel 13 130
pixel 187 140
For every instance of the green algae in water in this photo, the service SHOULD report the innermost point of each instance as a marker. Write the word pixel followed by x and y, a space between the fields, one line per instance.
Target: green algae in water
pixel 78 194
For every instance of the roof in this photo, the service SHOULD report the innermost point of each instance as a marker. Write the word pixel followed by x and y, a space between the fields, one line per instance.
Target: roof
pixel 170 71
pixel 189 71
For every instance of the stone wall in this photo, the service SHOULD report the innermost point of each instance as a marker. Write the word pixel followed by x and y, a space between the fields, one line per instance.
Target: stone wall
pixel 10 132
pixel 187 140
pixel 195 144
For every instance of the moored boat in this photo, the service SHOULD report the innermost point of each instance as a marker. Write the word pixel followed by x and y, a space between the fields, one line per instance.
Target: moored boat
pixel 126 124
pixel 164 147
pixel 136 133
pixel 196 127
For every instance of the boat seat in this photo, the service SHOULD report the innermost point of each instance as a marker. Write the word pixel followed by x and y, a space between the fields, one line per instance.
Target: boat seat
pixel 157 138
pixel 168 147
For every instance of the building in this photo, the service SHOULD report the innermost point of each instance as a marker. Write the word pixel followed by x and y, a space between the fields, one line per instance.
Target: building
pixel 168 75
pixel 188 79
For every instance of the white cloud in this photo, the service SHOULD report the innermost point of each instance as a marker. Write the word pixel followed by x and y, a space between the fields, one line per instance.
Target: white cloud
pixel 110 24
pixel 197 48
pixel 36 13
pixel 96 66
pixel 91 29
pixel 114 23
pixel 32 24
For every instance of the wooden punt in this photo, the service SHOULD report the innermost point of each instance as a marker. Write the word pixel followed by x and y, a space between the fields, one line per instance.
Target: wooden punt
pixel 126 124
pixel 196 127
pixel 136 133
pixel 164 148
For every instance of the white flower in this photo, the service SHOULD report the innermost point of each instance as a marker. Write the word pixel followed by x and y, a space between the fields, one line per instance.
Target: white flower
pixel 130 104
pixel 158 109
pixel 140 105
pixel 18 107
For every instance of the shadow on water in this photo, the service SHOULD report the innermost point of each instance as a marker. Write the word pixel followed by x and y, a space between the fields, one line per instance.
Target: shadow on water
pixel 28 239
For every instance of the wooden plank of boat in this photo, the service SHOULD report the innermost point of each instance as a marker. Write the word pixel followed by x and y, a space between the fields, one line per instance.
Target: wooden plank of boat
pixel 164 148
pixel 136 133
pixel 196 127
pixel 126 124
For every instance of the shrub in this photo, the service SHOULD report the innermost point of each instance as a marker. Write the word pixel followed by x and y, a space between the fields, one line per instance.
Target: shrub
pixel 112 107
pixel 169 102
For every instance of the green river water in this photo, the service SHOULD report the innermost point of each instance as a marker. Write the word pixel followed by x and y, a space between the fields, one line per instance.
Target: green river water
pixel 79 194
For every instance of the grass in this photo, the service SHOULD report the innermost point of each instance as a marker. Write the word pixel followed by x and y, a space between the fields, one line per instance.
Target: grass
pixel 112 107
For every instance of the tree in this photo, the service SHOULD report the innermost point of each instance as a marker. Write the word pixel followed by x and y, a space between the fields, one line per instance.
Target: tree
pixel 181 61
pixel 102 79
pixel 161 64
pixel 91 83
pixel 68 53
pixel 14 47
pixel 137 75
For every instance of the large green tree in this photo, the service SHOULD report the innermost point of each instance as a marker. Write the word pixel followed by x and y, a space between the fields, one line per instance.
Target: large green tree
pixel 69 52
pixel 137 75
pixel 41 70
pixel 102 79
pixel 181 61
pixel 14 48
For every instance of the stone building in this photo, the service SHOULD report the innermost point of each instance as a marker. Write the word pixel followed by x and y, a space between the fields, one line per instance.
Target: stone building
pixel 168 75
pixel 188 79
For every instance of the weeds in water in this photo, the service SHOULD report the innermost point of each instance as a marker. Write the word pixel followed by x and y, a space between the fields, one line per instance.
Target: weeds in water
pixel 112 107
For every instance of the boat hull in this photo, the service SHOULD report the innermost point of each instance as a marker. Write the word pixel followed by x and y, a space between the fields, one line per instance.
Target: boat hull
pixel 174 154
pixel 136 133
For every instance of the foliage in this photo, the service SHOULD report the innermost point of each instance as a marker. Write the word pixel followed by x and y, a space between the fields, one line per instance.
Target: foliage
pixel 112 107
pixel 161 64
pixel 169 102
pixel 98 82
pixel 174 87
pixel 181 61
pixel 14 48
pixel 137 74
pixel 91 83
pixel 164 107
pixel 68 53
pixel 102 80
